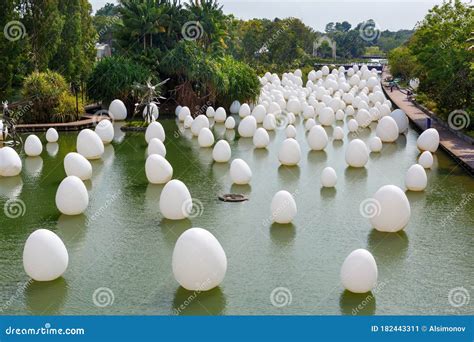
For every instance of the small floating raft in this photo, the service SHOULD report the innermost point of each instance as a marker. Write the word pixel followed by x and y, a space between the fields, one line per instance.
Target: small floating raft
pixel 233 198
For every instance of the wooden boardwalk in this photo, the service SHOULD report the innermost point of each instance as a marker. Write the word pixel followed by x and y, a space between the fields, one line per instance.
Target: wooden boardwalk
pixel 86 121
pixel 459 149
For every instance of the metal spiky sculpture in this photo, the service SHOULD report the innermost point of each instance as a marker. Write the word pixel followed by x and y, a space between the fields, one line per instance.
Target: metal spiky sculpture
pixel 8 127
pixel 148 94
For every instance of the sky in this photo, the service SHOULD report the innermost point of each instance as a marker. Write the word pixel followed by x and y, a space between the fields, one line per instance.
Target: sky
pixel 388 14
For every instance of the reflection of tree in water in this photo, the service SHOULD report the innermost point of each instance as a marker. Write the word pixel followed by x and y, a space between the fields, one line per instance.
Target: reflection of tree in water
pixel 210 302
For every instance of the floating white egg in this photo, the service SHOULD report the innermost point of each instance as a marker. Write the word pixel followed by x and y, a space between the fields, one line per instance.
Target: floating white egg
pixel 359 272
pixel 221 152
pixel 199 262
pixel 188 121
pixel 428 140
pixel 363 118
pixel 392 209
pixel 175 200
pixel 317 138
pixel 375 144
pixel 415 178
pixel 183 113
pixel 117 110
pixel 158 170
pixel 205 138
pixel 352 125
pixel 76 164
pixel 247 126
pixel 229 123
pixel 105 131
pixel 338 133
pixel 240 172
pixel 33 146
pixel 290 152
pixel 220 115
pixel 401 119
pixel 89 144
pixel 357 153
pixel 327 117
pixel 283 207
pixel 200 122
pixel 294 106
pixel 290 131
pixel 261 139
pixel 210 112
pixel 244 110
pixel 269 123
pixel 426 160
pixel 10 162
pixel 51 135
pixel 340 115
pixel 45 256
pixel 72 197
pixel 308 112
pixel 259 113
pixel 328 177
pixel 177 110
pixel 154 130
pixel 387 129
pixel 156 146
pixel 235 107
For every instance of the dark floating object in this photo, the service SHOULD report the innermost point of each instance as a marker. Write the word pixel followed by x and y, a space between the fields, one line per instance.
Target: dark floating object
pixel 233 198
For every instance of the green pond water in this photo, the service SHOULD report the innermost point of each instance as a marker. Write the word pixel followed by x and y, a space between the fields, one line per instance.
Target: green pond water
pixel 122 242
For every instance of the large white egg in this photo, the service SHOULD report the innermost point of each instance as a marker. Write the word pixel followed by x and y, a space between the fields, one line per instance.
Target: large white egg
pixel 72 197
pixel 317 138
pixel 45 256
pixel 221 152
pixel 328 177
pixel 200 122
pixel 269 122
pixel 247 126
pixel 327 116
pixel 220 115
pixel 401 119
pixel 415 178
pixel 338 133
pixel 154 130
pixel 261 139
pixel 183 113
pixel 177 110
pixel 158 170
pixel 89 144
pixel 387 129
pixel 290 131
pixel 76 164
pixel 375 144
pixel 188 121
pixel 352 125
pixel 259 113
pixel 33 146
pixel 294 106
pixel 105 131
pixel 10 162
pixel 392 211
pixel 363 118
pixel 283 207
pixel 357 153
pixel 117 110
pixel 240 172
pixel 52 135
pixel 359 272
pixel 199 262
pixel 210 112
pixel 205 138
pixel 428 140
pixel 229 123
pixel 289 152
pixel 310 123
pixel 426 160
pixel 175 200
pixel 156 146
pixel 234 107
pixel 244 110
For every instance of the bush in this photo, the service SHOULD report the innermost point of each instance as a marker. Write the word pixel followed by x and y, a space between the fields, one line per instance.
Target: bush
pixel 51 99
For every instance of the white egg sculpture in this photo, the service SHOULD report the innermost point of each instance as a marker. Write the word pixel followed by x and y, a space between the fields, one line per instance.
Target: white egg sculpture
pixel 234 107
pixel 340 115
pixel 154 130
pixel 327 116
pixel 152 110
pixel 200 122
pixel 10 162
pixel 359 272
pixel 352 125
pixel 290 152
pixel 387 129
pixel 247 126
pixel 317 138
pixel 269 122
pixel 45 256
pixel 428 140
pixel 188 121
pixel 328 177
pixel 229 123
pixel 221 152
pixel 117 110
pixel 375 144
pixel 401 119
pixel 52 135
pixel 210 112
pixel 240 172
pixel 175 200
pixel 76 164
pixel 177 110
pixel 363 118
pixel 156 146
pixel 290 131
pixel 338 133
pixel 220 115
pixel 33 146
pixel 283 207
pixel 105 131
pixel 415 178
pixel 244 110
pixel 89 144
pixel 158 170
pixel 259 113
pixel 183 113
pixel 205 138
pixel 261 139
pixel 72 197
pixel 294 106
pixel 392 209
pixel 199 262
pixel 426 160
pixel 357 153
pixel 310 123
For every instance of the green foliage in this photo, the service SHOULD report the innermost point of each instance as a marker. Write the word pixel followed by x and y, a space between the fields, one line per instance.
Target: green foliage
pixel 402 63
pixel 50 97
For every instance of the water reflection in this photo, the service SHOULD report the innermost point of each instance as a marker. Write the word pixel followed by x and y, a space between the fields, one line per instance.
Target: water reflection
pixel 337 144
pixel 152 196
pixel 289 175
pixel 219 130
pixel 388 248
pixel 357 304
pixel 10 187
pixel 229 135
pixel 317 157
pixel 245 144
pixel 282 234
pixel 328 193
pixel 355 174
pixel 202 303
pixel 46 297
pixel 245 189
pixel 119 135
pixel 72 229
pixel 33 166
pixel 52 148
pixel 260 153
pixel 172 229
